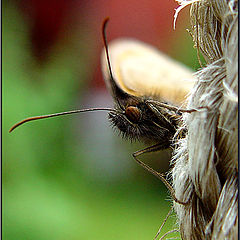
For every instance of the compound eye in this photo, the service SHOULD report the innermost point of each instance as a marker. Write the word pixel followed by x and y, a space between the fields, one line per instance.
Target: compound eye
pixel 133 114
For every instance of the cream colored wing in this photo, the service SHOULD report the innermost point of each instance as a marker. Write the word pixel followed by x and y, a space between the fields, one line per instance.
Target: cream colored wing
pixel 142 70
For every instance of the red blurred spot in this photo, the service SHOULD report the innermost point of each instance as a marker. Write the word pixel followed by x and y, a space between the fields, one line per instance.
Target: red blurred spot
pixel 46 19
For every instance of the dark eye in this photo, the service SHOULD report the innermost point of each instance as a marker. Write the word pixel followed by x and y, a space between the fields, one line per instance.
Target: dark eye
pixel 133 114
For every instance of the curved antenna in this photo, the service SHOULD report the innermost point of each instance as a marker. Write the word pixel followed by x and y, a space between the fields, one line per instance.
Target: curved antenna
pixel 114 86
pixel 106 45
pixel 57 114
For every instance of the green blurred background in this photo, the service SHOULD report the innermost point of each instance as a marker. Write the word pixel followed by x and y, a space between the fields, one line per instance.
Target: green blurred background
pixel 73 177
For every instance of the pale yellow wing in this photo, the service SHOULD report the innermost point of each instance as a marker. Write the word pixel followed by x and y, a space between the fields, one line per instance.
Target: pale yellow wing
pixel 142 70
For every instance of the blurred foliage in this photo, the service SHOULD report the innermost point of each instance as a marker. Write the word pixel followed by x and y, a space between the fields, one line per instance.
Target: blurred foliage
pixel 48 193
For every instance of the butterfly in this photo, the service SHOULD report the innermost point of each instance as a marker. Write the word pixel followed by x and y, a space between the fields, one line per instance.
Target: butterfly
pixel 142 82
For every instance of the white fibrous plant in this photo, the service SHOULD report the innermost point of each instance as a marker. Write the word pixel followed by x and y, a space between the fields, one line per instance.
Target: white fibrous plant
pixel 205 162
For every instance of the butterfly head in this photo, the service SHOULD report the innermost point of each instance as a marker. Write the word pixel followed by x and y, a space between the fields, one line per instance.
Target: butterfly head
pixel 135 119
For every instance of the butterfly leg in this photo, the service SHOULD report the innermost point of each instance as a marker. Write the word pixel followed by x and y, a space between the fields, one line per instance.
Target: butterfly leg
pixel 177 109
pixel 160 176
pixel 164 221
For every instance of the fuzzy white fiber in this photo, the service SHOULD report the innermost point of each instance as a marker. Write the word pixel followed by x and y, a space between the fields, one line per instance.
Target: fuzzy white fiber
pixel 205 162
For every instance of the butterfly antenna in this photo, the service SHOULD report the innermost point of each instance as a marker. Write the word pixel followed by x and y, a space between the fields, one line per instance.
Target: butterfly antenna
pixel 58 114
pixel 106 45
pixel 114 87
